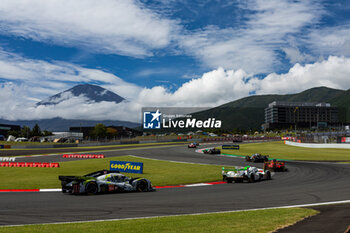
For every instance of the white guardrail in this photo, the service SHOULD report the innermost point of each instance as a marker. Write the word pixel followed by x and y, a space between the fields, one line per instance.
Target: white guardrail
pixel 7 159
pixel 319 145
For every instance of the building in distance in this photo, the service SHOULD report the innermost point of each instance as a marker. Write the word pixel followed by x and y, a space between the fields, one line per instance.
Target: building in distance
pixel 285 115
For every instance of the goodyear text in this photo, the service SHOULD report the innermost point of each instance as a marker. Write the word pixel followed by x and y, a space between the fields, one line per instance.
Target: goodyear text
pixel 125 166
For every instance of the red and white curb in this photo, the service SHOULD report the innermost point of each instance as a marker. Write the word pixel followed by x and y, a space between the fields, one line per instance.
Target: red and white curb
pixel 29 190
pixel 157 187
pixel 190 185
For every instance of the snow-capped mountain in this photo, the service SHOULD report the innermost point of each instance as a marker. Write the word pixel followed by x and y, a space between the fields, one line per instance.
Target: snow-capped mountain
pixel 93 93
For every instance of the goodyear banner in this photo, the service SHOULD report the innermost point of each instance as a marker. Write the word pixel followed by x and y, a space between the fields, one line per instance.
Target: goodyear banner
pixel 230 147
pixel 125 166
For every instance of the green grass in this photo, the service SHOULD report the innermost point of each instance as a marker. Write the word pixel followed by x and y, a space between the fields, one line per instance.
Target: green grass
pixel 159 172
pixel 243 221
pixel 279 150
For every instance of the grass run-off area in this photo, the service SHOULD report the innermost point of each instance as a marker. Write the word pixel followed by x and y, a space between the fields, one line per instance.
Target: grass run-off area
pixel 243 221
pixel 279 150
pixel 159 172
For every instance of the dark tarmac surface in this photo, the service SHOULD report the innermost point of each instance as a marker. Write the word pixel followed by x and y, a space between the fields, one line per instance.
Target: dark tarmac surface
pixel 332 218
pixel 304 183
pixel 17 152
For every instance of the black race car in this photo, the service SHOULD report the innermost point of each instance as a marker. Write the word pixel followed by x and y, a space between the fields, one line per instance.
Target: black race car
pixel 103 181
pixel 257 158
pixel 212 151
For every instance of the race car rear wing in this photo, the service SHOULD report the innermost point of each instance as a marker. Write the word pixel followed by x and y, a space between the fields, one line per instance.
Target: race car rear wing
pixel 100 173
pixel 235 169
pixel 67 179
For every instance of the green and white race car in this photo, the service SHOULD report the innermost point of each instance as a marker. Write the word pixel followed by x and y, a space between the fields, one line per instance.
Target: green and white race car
pixel 248 173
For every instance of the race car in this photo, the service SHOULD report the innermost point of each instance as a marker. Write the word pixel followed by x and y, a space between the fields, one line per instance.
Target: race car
pixel 274 165
pixel 103 181
pixel 212 151
pixel 257 158
pixel 248 173
pixel 193 145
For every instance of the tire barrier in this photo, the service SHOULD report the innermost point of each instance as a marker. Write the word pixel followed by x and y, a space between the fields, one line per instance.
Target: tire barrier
pixel 28 164
pixel 5 146
pixel 83 156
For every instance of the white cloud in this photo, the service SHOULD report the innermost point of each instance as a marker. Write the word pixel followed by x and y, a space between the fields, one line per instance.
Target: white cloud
pixel 76 107
pixel 211 89
pixel 295 55
pixel 333 72
pixel 330 40
pixel 253 45
pixel 48 78
pixel 27 81
pixel 111 26
pixel 220 86
pixel 127 27
pixel 153 72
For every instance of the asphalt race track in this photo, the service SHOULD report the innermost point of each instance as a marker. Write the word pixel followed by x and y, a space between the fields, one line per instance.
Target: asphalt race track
pixel 304 183
pixel 15 152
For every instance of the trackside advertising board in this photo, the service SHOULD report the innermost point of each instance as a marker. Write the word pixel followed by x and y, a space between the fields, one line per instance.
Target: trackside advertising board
pixel 125 166
pixel 230 147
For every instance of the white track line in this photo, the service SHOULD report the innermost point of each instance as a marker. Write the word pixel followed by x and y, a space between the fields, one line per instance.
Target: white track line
pixel 197 185
pixel 176 215
pixel 50 190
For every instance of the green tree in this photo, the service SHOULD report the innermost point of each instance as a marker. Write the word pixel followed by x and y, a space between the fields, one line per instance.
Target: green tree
pixel 99 131
pixel 13 133
pixel 47 133
pixel 25 132
pixel 36 131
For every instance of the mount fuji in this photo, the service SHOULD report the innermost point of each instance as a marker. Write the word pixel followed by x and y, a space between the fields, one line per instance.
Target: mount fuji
pixel 93 93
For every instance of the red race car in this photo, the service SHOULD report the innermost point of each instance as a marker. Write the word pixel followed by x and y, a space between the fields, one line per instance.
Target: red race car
pixel 193 145
pixel 276 166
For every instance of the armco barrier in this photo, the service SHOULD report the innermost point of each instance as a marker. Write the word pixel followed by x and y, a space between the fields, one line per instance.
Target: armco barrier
pixel 64 145
pixel 246 139
pixel 129 142
pixel 83 156
pixel 28 164
pixel 319 145
pixel 149 141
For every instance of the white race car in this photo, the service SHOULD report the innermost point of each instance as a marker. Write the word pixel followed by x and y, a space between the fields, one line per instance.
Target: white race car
pixel 248 173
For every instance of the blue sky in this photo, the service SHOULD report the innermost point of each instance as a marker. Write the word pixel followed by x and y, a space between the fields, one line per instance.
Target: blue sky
pixel 170 52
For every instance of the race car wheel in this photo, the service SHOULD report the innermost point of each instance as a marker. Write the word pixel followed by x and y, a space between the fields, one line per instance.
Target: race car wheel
pixel 229 180
pixel 91 188
pixel 268 175
pixel 141 186
pixel 247 158
pixel 224 178
pixel 252 178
